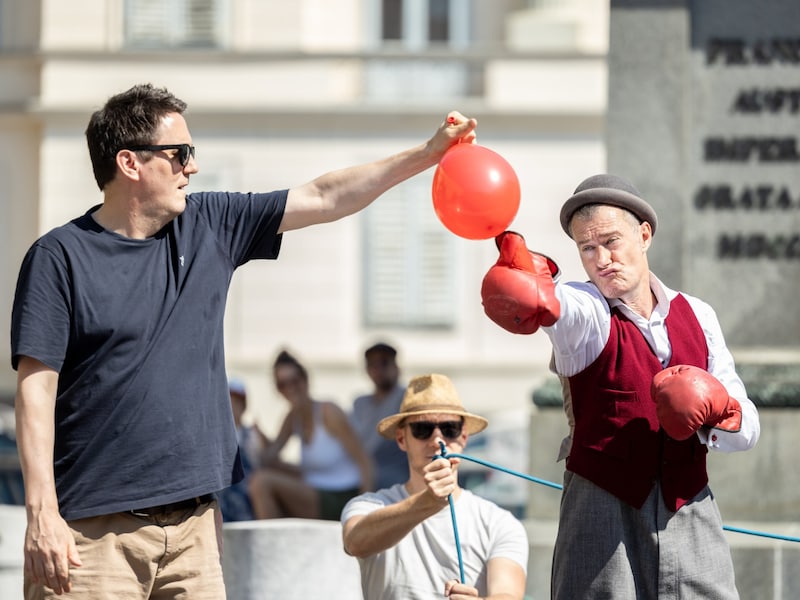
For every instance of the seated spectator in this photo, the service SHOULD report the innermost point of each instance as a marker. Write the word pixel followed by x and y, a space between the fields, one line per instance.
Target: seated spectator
pixel 388 460
pixel 252 441
pixel 403 536
pixel 333 465
pixel 234 501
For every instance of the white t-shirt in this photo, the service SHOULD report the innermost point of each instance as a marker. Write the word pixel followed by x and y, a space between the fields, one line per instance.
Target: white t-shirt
pixel 418 567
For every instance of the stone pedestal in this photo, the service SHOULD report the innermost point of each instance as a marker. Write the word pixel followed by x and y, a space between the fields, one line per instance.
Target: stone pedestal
pixel 12 537
pixel 288 558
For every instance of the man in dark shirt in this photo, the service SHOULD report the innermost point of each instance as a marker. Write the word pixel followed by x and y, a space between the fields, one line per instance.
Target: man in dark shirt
pixel 390 463
pixel 124 423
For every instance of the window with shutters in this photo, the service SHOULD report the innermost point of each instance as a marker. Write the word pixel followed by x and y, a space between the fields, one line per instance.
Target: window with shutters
pixel 408 275
pixel 415 27
pixel 174 23
pixel 419 24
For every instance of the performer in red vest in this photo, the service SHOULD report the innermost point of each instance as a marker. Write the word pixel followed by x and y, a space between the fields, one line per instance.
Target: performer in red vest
pixel 649 386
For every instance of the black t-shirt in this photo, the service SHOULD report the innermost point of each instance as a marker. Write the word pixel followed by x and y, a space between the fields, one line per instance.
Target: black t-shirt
pixel 135 330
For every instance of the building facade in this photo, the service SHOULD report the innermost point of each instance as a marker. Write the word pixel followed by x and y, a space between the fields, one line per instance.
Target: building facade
pixel 280 92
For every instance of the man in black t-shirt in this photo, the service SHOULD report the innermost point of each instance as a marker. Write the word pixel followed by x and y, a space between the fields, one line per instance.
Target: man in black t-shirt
pixel 124 424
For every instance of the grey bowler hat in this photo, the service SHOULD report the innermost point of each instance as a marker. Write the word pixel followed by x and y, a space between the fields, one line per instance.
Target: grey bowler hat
pixel 608 189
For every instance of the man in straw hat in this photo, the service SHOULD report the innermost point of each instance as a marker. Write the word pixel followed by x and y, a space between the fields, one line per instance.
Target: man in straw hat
pixel 649 386
pixel 403 536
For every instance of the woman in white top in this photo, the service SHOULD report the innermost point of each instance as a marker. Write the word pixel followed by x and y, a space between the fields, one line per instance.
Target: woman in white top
pixel 333 465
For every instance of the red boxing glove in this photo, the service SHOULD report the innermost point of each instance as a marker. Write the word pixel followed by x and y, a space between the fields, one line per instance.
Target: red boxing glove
pixel 518 292
pixel 688 398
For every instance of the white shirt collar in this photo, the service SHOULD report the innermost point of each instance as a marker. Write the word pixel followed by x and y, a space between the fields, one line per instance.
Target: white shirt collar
pixel 663 294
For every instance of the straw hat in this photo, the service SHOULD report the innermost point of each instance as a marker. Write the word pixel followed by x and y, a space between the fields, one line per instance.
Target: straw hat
pixel 431 394
pixel 611 190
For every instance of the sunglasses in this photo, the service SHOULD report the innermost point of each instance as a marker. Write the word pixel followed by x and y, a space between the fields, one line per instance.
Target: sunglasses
pixel 185 151
pixel 422 430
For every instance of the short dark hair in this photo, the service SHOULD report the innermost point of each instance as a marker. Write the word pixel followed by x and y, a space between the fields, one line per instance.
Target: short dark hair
pixel 380 347
pixel 129 118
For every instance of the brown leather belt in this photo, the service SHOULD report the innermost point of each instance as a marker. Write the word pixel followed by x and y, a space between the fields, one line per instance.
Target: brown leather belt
pixel 162 509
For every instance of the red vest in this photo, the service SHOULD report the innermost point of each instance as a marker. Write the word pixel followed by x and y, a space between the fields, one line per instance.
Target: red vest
pixel 617 441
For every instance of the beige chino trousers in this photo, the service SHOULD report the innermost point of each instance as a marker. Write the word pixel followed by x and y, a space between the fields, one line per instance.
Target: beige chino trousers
pixel 173 556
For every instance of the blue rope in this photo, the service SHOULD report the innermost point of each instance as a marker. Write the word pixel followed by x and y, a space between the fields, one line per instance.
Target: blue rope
pixel 445 454
pixel 458 542
pixel 774 536
pixel 453 518
pixel 485 463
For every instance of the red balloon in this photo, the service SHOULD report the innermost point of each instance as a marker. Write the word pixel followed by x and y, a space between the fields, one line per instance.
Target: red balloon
pixel 475 192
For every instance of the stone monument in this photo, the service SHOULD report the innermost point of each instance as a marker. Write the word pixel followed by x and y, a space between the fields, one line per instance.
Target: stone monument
pixel 704 117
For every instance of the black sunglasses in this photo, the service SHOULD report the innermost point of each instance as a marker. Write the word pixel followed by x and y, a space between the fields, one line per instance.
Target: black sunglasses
pixel 422 430
pixel 185 151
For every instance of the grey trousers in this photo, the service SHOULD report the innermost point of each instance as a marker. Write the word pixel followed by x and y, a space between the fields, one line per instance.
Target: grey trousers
pixel 606 549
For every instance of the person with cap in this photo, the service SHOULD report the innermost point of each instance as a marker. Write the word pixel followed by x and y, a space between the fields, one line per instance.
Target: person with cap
pixel 403 536
pixel 389 462
pixel 234 501
pixel 649 387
